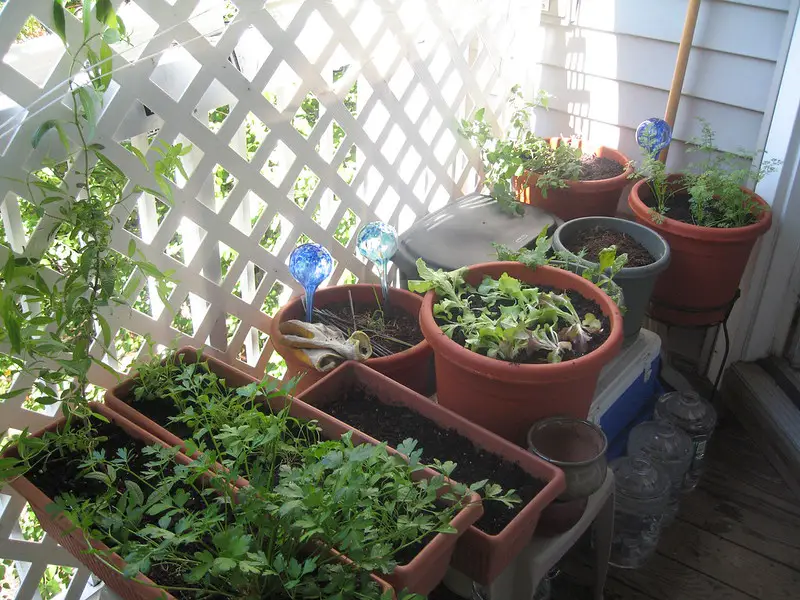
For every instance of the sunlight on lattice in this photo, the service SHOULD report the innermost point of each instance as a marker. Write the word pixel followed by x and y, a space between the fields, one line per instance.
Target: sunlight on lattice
pixel 282 86
pixel 215 105
pixel 35 53
pixel 248 213
pixel 175 71
pixel 248 138
pixel 277 234
pixel 227 256
pixel 278 164
pixel 248 282
pixel 277 296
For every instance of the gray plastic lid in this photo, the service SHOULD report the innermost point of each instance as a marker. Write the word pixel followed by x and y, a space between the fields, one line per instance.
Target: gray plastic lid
pixel 660 440
pixel 636 477
pixel 461 233
pixel 687 410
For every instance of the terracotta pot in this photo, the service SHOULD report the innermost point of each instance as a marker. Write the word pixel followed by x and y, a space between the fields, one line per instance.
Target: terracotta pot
pixel 479 555
pixel 579 198
pixel 420 575
pixel 706 266
pixel 74 540
pixel 413 367
pixel 508 398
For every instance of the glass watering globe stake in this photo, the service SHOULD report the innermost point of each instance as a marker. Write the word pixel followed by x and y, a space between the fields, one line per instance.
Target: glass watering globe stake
pixel 310 264
pixel 377 241
pixel 653 135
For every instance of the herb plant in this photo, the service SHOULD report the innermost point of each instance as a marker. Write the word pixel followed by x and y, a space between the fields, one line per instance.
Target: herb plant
pixel 507 319
pixel 520 153
pixel 714 184
pixel 601 273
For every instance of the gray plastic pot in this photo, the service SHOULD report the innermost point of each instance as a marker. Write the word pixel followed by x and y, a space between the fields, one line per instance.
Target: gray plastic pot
pixel 637 283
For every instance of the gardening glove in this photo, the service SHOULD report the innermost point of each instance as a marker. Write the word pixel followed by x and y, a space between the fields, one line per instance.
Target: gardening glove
pixel 323 347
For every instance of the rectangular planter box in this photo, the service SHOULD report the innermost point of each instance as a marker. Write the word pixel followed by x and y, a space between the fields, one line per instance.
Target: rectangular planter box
pixel 479 555
pixel 424 571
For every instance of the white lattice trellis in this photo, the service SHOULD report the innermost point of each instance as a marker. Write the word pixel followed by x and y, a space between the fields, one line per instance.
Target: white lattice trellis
pixel 385 83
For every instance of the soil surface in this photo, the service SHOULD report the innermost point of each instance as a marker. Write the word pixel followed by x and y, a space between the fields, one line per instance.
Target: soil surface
pixel 582 306
pixel 393 424
pixel 680 207
pixel 595 168
pixel 597 238
pixel 380 325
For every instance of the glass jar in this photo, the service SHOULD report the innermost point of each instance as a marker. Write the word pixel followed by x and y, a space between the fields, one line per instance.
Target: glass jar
pixel 696 417
pixel 641 492
pixel 669 447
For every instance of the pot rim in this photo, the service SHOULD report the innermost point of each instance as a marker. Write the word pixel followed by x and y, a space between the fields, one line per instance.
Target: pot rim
pixel 700 232
pixel 657 265
pixel 320 294
pixel 568 463
pixel 497 369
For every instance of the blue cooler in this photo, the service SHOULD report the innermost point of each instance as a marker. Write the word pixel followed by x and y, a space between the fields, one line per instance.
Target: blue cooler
pixel 627 390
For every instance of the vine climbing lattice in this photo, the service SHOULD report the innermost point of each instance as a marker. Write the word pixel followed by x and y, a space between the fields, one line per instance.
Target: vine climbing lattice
pixel 297 121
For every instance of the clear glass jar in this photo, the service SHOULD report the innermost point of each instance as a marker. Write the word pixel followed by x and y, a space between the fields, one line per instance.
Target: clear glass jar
pixel 641 493
pixel 668 446
pixel 696 417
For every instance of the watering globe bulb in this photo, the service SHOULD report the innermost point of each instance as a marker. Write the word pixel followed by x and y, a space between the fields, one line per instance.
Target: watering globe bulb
pixel 653 135
pixel 310 264
pixel 377 241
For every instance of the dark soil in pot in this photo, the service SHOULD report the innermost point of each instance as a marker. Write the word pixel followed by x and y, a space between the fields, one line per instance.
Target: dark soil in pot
pixel 595 239
pixel 380 323
pixel 680 208
pixel 596 168
pixel 394 424
pixel 582 306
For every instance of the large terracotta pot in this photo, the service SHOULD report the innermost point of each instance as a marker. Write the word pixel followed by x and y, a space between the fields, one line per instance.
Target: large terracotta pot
pixel 479 555
pixel 706 266
pixel 423 572
pixel 508 398
pixel 413 367
pixel 579 198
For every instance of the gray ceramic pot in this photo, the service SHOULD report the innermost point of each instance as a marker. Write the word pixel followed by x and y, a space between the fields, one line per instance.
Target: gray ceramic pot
pixel 636 282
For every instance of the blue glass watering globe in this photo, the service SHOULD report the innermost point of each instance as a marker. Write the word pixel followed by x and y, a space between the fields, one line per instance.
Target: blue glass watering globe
pixel 377 242
pixel 653 135
pixel 310 264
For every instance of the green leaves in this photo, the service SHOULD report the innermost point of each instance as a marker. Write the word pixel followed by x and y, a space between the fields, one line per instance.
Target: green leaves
pixel 59 20
pixel 47 126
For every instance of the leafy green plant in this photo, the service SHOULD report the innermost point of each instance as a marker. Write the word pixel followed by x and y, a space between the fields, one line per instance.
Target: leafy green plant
pixel 53 306
pixel 714 184
pixel 520 153
pixel 600 273
pixel 505 318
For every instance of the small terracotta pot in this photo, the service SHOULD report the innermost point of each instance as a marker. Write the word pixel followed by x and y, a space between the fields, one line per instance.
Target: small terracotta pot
pixel 74 540
pixel 508 398
pixel 579 198
pixel 421 574
pixel 706 265
pixel 413 367
pixel 479 555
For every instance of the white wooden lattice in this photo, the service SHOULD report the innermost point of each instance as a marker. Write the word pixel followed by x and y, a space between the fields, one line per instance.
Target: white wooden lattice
pixel 384 145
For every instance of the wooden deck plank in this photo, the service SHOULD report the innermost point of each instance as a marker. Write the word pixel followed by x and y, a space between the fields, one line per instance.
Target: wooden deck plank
pixel 724 561
pixel 743 520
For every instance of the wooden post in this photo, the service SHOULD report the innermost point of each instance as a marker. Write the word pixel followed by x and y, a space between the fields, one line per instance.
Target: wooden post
pixel 680 67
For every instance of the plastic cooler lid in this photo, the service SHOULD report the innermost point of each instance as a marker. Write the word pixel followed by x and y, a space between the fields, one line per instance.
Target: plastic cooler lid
pixel 462 232
pixel 621 373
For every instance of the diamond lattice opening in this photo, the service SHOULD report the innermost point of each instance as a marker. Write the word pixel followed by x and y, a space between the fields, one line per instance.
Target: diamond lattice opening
pixel 251 44
pixel 141 29
pixel 189 317
pixel 328 205
pixel 282 86
pixel 277 234
pixel 349 167
pixel 409 164
pixel 347 278
pixel 308 115
pixel 369 14
pixel 43 398
pixel 331 140
pixel 393 144
pixel 175 71
pixel 277 296
pixel 278 164
pixel 211 22
pixel 249 281
pixel 405 218
pixel 138 129
pixel 186 241
pixel 401 79
pixel 376 121
pixel 254 344
pixel 387 205
pixel 215 105
pixel 282 12
pixel 304 186
pixel 127 345
pixel 416 103
pixel 226 256
pixel 150 302
pixel 223 184
pixel 249 137
pixel 146 218
pixel 314 36
pixel 35 53
pixel 276 366
pixel 424 184
pixel 223 332
pixel 371 182
pixel 346 228
pixel 55 581
pixel 27 527
pixel 248 213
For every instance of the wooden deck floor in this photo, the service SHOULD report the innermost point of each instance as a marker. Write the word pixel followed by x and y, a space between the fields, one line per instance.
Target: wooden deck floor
pixel 737 536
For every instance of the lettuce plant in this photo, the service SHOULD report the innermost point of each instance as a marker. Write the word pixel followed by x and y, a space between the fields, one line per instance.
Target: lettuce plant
pixel 505 318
